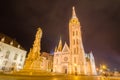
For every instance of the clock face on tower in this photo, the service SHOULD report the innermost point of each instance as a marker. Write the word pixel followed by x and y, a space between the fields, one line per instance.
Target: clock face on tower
pixel 65 58
pixel 74 21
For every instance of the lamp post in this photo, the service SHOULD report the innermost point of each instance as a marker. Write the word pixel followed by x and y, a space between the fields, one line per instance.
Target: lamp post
pixel 103 70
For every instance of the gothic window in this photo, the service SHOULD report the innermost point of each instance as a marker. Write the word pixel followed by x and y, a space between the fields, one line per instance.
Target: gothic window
pixel 7 54
pixel 77 41
pixel 73 33
pixel 74 41
pixel 77 49
pixel 15 57
pixel 74 50
pixel 76 33
pixel 74 59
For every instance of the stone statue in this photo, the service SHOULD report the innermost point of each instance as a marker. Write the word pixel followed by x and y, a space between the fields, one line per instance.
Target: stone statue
pixel 33 61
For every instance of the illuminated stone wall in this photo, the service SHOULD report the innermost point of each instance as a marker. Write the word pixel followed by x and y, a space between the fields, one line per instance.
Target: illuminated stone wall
pixel 47 62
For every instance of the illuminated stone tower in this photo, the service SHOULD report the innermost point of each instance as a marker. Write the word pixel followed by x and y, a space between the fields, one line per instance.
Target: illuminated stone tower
pixel 76 45
pixel 33 60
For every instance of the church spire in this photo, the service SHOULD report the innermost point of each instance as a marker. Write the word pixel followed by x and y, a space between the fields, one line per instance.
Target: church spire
pixel 73 12
pixel 60 45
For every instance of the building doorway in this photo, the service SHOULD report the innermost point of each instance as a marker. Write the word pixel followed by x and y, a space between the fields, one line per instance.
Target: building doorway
pixel 75 70
pixel 65 69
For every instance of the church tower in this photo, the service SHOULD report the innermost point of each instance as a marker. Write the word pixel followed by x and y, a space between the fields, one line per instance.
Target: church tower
pixel 72 59
pixel 76 45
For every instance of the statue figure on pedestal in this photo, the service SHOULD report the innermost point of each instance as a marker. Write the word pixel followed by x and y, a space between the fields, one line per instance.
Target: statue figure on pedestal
pixel 33 61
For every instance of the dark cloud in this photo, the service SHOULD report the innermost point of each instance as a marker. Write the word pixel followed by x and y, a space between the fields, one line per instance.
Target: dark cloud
pixel 100 21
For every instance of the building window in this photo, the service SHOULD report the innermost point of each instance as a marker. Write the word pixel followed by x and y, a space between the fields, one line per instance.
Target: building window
pixel 20 65
pixel 74 41
pixel 77 41
pixel 74 50
pixel 73 33
pixel 76 33
pixel 15 57
pixel 74 59
pixel 21 58
pixel 0 49
pixel 77 49
pixel 5 62
pixel 7 54
pixel 13 64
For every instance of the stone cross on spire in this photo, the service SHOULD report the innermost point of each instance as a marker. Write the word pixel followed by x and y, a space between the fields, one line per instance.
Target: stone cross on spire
pixel 73 12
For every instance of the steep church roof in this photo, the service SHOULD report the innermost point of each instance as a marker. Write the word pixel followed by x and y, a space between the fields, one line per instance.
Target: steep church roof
pixel 65 48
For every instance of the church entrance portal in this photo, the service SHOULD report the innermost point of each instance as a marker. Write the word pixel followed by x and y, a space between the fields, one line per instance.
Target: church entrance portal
pixel 75 70
pixel 65 69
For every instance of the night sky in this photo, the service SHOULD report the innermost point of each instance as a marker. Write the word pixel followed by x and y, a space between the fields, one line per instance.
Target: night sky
pixel 100 21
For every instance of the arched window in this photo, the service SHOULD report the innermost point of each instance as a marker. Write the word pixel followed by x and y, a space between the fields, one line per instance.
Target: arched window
pixel 74 42
pixel 77 49
pixel 76 33
pixel 74 50
pixel 73 33
pixel 77 42
pixel 74 59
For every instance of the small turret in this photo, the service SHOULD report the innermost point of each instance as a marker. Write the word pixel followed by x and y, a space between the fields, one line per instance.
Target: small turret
pixel 55 49
pixel 60 45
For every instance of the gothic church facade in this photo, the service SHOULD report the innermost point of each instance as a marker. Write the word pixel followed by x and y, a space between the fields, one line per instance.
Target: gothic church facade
pixel 73 59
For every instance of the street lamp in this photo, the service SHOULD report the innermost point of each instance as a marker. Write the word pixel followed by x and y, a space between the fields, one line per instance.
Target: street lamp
pixel 104 67
pixel 103 70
